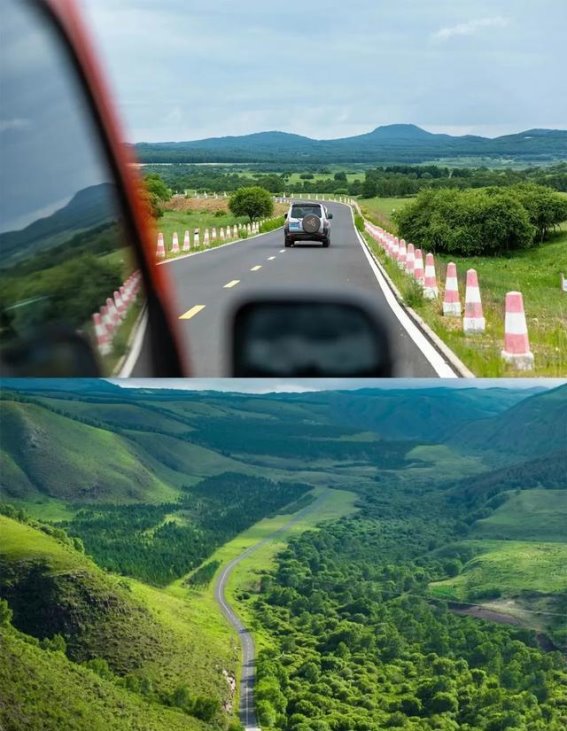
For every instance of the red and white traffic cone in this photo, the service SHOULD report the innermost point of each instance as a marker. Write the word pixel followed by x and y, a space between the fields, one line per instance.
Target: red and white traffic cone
pixel 186 242
pixel 213 234
pixel 418 267
pixel 430 290
pixel 396 249
pixel 102 339
pixel 451 301
pixel 516 343
pixel 206 238
pixel 196 238
pixel 402 254
pixel 175 244
pixel 113 312
pixel 410 259
pixel 107 321
pixel 473 321
pixel 235 231
pixel 119 304
pixel 222 237
pixel 160 253
pixel 125 296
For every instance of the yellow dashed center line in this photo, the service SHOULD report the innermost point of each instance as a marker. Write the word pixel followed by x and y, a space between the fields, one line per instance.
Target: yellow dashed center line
pixel 192 312
pixel 255 269
pixel 231 284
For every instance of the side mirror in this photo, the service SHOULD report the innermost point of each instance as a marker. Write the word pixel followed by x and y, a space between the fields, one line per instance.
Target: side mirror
pixel 76 257
pixel 309 336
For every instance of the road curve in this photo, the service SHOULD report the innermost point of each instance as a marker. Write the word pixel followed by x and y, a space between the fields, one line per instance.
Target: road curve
pixel 207 285
pixel 247 711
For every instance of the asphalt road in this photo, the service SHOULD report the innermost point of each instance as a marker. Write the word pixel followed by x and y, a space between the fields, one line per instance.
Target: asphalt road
pixel 247 711
pixel 207 285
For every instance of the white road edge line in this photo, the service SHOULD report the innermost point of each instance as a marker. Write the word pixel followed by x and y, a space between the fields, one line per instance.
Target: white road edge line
pixel 136 349
pixel 435 360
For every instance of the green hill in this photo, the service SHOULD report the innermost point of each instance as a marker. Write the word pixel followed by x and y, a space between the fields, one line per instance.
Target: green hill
pixel 54 589
pixel 44 691
pixel 44 453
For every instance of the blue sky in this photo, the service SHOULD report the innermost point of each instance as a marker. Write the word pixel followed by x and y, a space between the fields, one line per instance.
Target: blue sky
pixel 189 69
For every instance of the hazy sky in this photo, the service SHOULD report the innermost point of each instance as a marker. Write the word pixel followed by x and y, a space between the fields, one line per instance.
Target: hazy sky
pixel 303 385
pixel 188 69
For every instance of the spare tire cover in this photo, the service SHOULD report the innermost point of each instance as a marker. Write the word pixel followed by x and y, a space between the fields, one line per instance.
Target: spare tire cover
pixel 311 223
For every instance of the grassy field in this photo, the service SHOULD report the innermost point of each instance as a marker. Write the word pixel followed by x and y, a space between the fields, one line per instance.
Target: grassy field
pixel 534 272
pixel 534 515
pixel 510 567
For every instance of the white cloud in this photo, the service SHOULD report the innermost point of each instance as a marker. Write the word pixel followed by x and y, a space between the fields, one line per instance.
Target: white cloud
pixel 6 124
pixel 470 28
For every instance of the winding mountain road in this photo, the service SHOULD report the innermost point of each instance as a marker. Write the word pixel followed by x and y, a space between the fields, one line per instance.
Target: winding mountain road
pixel 207 285
pixel 247 711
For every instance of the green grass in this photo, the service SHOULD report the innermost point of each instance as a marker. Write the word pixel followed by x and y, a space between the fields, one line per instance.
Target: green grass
pixel 380 210
pixel 534 272
pixel 43 691
pixel 442 463
pixel 46 453
pixel 511 567
pixel 534 515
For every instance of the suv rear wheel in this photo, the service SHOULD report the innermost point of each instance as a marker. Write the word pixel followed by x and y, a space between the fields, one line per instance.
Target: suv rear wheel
pixel 288 242
pixel 326 242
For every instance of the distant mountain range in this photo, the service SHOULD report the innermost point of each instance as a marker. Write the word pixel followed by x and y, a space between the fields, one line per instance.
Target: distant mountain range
pixel 391 143
pixel 87 209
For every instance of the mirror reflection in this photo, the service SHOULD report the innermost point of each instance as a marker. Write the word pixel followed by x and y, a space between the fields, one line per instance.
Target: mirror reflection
pixel 64 258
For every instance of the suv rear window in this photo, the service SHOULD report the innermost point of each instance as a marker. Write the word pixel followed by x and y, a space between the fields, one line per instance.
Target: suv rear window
pixel 300 211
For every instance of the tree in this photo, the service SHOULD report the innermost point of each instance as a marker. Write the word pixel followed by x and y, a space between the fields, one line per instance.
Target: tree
pixel 6 613
pixel 340 176
pixel 254 202
pixel 155 193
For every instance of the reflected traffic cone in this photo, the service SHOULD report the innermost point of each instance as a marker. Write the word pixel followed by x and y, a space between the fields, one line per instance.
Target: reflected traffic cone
pixel 160 253
pixel 107 321
pixel 473 321
pixel 430 290
pixel 516 344
pixel 186 242
pixel 125 295
pixel 402 254
pixel 119 304
pixel 113 313
pixel 451 301
pixel 418 267
pixel 175 244
pixel 102 338
pixel 410 259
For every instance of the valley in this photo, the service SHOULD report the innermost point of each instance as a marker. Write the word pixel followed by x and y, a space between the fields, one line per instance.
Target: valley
pixel 362 527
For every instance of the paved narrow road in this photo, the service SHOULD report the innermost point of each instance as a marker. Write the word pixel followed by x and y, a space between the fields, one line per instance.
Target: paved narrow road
pixel 248 677
pixel 207 285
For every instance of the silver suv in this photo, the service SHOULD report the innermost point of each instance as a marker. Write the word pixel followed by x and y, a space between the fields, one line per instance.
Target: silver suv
pixel 307 222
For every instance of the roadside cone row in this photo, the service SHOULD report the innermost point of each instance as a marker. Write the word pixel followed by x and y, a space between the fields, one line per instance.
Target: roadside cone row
pixel 231 232
pixel 108 319
pixel 516 350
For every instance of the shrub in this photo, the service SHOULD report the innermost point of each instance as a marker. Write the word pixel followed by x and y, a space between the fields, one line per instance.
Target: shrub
pixel 468 223
pixel 272 225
